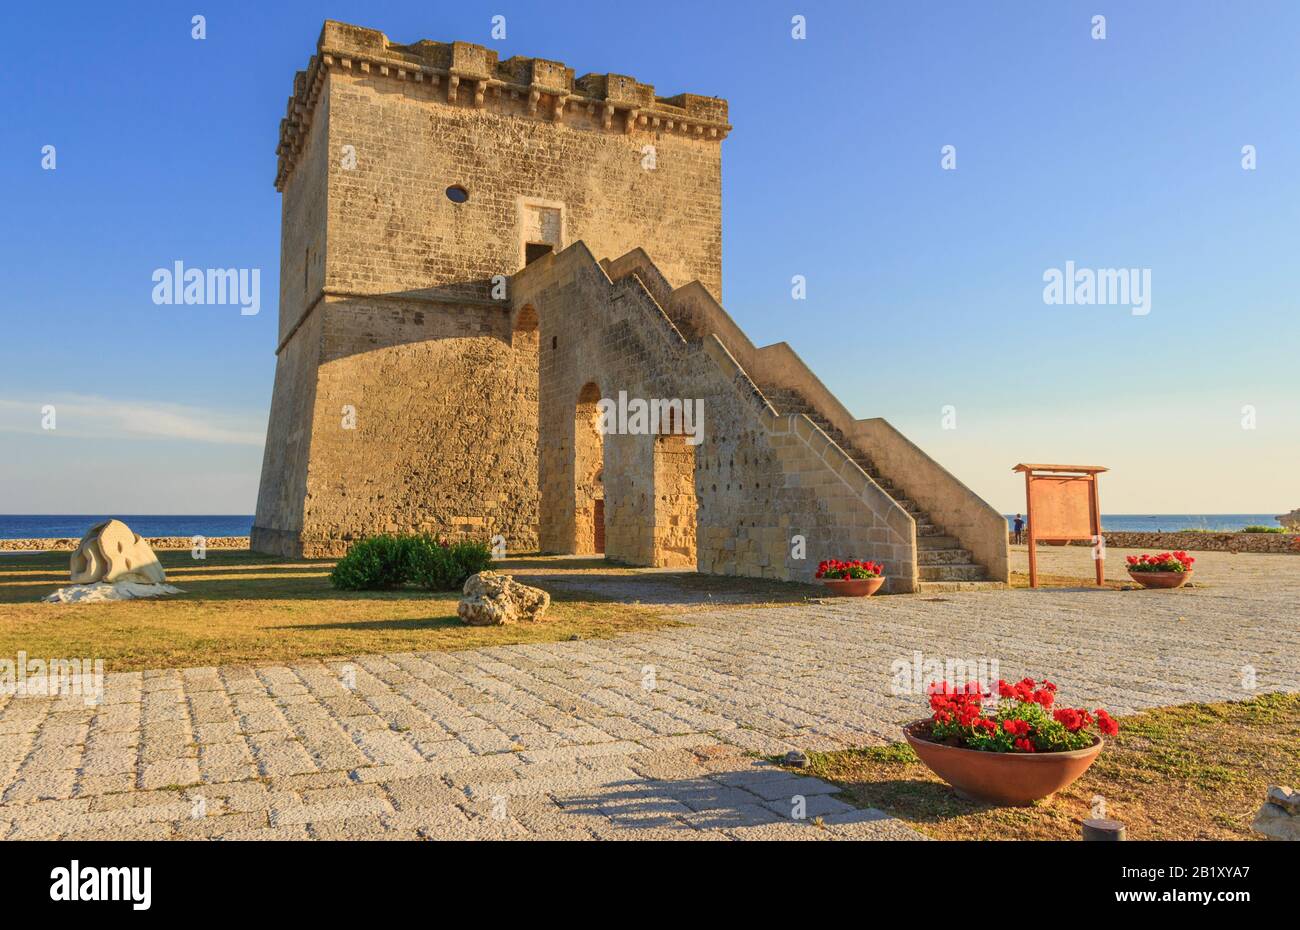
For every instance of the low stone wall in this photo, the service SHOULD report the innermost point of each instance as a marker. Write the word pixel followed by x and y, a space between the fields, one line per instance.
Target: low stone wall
pixel 157 542
pixel 1204 542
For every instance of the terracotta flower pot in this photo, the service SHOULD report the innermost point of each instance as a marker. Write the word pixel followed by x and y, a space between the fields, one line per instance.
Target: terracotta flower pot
pixel 1005 778
pixel 1161 579
pixel 853 587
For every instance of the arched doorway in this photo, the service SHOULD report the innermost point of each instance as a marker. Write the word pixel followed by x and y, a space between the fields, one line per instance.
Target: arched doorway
pixel 675 504
pixel 588 474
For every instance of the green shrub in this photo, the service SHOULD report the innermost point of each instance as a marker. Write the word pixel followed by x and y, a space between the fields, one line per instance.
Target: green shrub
pixel 474 557
pixel 432 565
pixel 379 563
pixel 375 563
pixel 441 566
pixel 1264 529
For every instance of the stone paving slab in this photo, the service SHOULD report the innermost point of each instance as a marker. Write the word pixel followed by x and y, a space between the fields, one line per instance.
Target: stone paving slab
pixel 566 740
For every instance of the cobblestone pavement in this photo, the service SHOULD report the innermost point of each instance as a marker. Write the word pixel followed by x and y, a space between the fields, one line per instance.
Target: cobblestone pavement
pixel 640 736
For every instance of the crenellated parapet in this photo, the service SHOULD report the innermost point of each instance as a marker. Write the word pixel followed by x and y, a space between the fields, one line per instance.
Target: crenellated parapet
pixel 464 74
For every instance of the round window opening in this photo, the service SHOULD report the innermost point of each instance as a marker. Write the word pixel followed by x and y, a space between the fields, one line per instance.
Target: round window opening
pixel 457 194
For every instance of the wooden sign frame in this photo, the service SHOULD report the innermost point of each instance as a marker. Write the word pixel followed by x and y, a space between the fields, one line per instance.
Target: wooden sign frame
pixel 1062 505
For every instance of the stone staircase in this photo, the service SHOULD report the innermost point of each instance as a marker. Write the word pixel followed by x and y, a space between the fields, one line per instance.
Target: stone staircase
pixel 943 564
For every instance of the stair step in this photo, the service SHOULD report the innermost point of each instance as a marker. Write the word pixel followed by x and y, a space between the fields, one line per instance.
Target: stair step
pixel 925 543
pixel 929 529
pixel 957 587
pixel 951 556
pixel 963 572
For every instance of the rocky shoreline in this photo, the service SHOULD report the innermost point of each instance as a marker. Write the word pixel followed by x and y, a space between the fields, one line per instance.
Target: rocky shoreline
pixel 67 544
pixel 1275 543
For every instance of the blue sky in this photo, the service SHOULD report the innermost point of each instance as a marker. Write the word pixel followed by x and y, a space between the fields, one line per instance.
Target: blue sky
pixel 924 285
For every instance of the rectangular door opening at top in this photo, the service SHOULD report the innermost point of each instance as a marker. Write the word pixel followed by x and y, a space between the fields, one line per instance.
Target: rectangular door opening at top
pixel 541 229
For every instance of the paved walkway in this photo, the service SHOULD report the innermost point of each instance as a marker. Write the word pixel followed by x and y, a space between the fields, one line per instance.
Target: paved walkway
pixel 641 736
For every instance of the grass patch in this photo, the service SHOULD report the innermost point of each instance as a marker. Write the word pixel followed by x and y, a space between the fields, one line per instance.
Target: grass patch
pixel 1188 772
pixel 243 608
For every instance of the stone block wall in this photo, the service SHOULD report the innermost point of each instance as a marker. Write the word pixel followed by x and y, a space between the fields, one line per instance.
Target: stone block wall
pixel 282 493
pixel 387 298
pixel 424 421
pixel 393 228
pixel 1278 543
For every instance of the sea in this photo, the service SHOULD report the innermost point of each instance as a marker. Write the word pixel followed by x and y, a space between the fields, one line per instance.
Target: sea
pixel 1172 522
pixel 43 526
pixel 57 526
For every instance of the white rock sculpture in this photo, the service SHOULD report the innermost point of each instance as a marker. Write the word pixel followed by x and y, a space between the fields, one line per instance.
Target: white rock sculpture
pixel 492 599
pixel 103 591
pixel 110 552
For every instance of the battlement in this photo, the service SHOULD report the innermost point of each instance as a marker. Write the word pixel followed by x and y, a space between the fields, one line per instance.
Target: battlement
pixel 464 74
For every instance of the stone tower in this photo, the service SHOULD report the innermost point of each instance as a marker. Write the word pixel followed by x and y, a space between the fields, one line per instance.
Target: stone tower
pixel 478 257
pixel 415 180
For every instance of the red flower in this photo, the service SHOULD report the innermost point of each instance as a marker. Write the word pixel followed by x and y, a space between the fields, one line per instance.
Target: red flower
pixel 959 712
pixel 1070 718
pixel 1161 562
pixel 1016 727
pixel 1107 724
pixel 854 568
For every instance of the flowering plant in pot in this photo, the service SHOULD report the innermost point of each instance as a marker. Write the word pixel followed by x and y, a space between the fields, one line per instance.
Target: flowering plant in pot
pixel 1165 570
pixel 1019 750
pixel 854 578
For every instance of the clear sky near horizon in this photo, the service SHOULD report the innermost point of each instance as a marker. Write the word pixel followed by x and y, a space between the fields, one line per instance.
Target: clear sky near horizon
pixel 924 285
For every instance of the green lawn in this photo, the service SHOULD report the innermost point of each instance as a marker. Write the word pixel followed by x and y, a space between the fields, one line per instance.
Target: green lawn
pixel 244 608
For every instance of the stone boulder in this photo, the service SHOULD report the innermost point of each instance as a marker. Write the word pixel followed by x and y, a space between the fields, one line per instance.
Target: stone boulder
pixel 492 599
pixel 110 552
pixel 1290 521
pixel 1279 818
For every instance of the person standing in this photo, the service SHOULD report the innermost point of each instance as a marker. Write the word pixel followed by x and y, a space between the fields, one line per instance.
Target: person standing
pixel 1018 529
